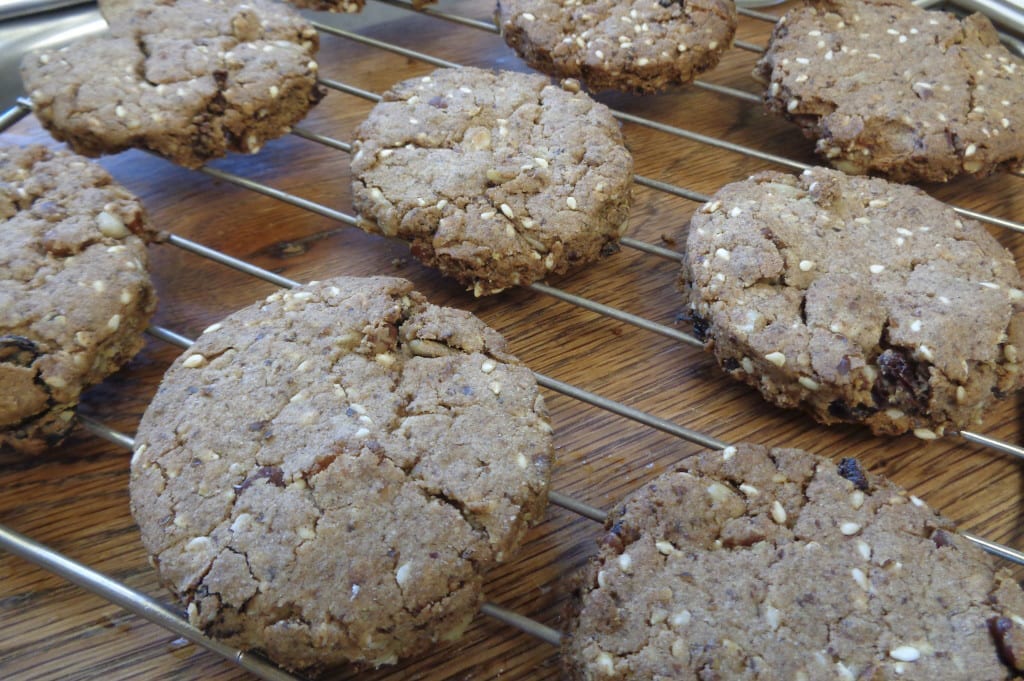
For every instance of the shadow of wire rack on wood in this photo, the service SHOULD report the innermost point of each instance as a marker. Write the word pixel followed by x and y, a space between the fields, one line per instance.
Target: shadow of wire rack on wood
pixel 632 350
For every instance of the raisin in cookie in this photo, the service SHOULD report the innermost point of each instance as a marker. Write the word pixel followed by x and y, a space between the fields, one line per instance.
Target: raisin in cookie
pixel 498 179
pixel 769 564
pixel 327 475
pixel 75 293
pixel 188 79
pixel 857 300
pixel 888 88
pixel 637 45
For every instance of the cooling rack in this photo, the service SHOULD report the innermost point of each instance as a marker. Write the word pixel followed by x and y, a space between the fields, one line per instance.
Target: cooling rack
pixel 624 383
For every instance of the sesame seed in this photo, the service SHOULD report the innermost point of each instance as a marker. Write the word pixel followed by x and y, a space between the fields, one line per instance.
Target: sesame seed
pixel 877 269
pixel 809 383
pixel 925 434
pixel 776 358
pixel 970 150
pixel 749 490
pixel 778 512
pixel 718 491
pixel 905 653
pixel 806 265
pixel 571 202
pixel 507 211
pixel 728 453
pixel 856 499
pixel 849 528
pixel 859 577
pixel 915 325
pixel 528 17
pixel 625 562
pixel 722 253
pixel 864 549
pixel 194 361
pixel 665 548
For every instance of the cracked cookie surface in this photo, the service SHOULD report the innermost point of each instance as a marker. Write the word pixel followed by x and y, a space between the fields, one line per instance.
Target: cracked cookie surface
pixel 75 293
pixel 188 79
pixel 498 179
pixel 855 299
pixel 752 563
pixel 888 88
pixel 638 45
pixel 327 475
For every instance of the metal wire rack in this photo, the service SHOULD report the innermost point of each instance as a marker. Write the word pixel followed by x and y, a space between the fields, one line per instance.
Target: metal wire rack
pixel 167 617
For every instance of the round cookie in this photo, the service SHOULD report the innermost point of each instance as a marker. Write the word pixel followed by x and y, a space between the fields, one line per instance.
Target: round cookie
pixel 888 88
pixel 188 79
pixel 856 299
pixel 636 45
pixel 327 475
pixel 770 564
pixel 496 178
pixel 75 293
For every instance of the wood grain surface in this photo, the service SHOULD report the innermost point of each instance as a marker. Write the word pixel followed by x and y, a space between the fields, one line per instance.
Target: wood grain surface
pixel 75 499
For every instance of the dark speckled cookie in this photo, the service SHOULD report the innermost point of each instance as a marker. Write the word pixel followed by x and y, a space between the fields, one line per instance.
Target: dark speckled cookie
pixel 888 88
pixel 327 475
pixel 75 292
pixel 757 564
pixel 634 45
pixel 856 299
pixel 498 179
pixel 188 79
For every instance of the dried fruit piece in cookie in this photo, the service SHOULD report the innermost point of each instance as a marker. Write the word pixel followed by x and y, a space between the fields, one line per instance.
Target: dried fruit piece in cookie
pixel 767 564
pixel 632 45
pixel 498 179
pixel 327 475
pixel 886 87
pixel 188 79
pixel 75 292
pixel 856 299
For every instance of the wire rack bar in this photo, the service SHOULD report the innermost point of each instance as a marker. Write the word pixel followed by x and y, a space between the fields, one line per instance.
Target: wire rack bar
pixel 132 601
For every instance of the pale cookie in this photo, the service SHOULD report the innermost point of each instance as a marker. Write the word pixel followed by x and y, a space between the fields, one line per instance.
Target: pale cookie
pixel 75 293
pixel 497 179
pixel 633 45
pixel 857 300
pixel 888 88
pixel 757 564
pixel 188 79
pixel 326 476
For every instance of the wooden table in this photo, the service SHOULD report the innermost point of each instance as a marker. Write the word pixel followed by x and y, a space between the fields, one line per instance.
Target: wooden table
pixel 75 499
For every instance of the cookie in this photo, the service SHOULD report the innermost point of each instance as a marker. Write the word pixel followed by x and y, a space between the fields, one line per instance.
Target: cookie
pixel 498 179
pixel 753 563
pixel 327 475
pixel 639 45
pixel 188 79
pixel 75 293
pixel 856 299
pixel 888 88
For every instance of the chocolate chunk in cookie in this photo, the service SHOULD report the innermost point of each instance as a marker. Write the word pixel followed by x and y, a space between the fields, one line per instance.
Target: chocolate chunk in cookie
pixel 886 87
pixel 326 476
pixel 498 179
pixel 637 45
pixel 75 292
pixel 856 299
pixel 187 79
pixel 767 564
